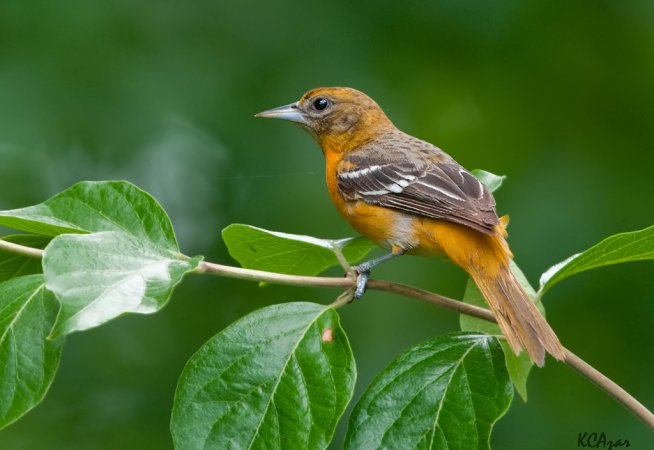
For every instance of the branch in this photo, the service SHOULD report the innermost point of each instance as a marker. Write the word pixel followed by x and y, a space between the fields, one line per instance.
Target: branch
pixel 609 386
pixel 340 282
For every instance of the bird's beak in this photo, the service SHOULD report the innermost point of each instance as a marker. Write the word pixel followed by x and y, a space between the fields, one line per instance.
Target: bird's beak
pixel 287 112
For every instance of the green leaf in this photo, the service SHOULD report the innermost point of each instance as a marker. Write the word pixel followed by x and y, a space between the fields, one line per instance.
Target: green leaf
pixel 446 393
pixel 130 262
pixel 619 248
pixel 92 206
pixel 256 248
pixel 280 377
pixel 28 361
pixel 492 181
pixel 517 366
pixel 100 276
pixel 13 265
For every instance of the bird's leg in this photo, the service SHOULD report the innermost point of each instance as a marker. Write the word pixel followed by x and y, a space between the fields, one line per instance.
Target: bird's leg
pixel 363 270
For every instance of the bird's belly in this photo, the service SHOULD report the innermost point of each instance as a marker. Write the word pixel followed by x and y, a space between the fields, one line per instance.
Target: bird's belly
pixel 388 228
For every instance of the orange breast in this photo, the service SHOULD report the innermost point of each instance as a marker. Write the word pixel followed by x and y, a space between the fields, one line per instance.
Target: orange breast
pixel 333 159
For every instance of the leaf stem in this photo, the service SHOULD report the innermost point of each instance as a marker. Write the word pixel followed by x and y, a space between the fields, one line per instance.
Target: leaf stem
pixel 602 381
pixel 21 249
pixel 342 260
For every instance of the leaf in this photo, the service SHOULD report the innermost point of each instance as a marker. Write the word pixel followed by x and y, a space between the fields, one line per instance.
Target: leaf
pixel 280 377
pixel 14 265
pixel 492 181
pixel 100 276
pixel 130 264
pixel 517 366
pixel 619 248
pixel 28 361
pixel 256 248
pixel 446 393
pixel 92 206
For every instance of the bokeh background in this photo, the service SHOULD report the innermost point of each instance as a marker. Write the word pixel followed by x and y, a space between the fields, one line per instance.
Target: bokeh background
pixel 557 95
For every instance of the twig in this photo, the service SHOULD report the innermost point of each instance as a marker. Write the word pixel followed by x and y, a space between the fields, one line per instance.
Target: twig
pixel 613 389
pixel 609 386
pixel 271 277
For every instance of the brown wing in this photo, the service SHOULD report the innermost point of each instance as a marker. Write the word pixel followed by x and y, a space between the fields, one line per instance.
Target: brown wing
pixel 430 187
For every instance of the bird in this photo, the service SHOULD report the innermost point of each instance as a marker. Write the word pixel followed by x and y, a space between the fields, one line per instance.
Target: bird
pixel 410 197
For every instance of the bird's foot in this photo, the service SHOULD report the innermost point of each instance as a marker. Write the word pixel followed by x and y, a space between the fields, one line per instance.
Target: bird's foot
pixel 362 282
pixel 362 274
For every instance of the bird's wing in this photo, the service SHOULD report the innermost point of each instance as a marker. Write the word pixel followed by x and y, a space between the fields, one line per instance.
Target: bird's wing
pixel 424 187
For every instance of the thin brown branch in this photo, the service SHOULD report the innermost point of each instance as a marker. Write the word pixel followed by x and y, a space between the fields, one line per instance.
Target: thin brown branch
pixel 613 389
pixel 271 277
pixel 610 387
pixel 430 297
pixel 343 282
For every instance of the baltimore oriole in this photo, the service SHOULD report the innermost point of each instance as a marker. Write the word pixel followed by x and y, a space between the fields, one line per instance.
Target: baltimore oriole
pixel 409 196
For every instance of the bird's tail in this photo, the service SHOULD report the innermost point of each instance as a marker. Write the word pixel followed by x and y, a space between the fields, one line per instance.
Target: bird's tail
pixel 519 319
pixel 487 259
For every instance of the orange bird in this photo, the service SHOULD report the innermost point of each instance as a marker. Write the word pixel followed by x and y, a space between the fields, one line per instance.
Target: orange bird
pixel 409 196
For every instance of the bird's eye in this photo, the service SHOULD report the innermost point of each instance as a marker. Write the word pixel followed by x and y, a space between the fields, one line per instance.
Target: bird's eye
pixel 320 104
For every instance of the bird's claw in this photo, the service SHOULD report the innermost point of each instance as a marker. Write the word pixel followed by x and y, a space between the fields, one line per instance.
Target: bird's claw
pixel 362 280
pixel 360 275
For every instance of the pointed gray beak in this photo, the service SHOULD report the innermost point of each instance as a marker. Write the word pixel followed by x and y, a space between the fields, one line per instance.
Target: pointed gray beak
pixel 287 112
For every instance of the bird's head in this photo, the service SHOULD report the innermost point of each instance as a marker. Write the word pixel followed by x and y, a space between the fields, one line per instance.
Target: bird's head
pixel 337 117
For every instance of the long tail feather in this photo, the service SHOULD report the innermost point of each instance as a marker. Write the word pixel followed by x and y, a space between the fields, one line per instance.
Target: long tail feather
pixel 519 319
pixel 487 259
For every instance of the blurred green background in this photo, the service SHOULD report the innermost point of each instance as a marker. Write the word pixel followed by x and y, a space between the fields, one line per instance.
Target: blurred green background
pixel 557 95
